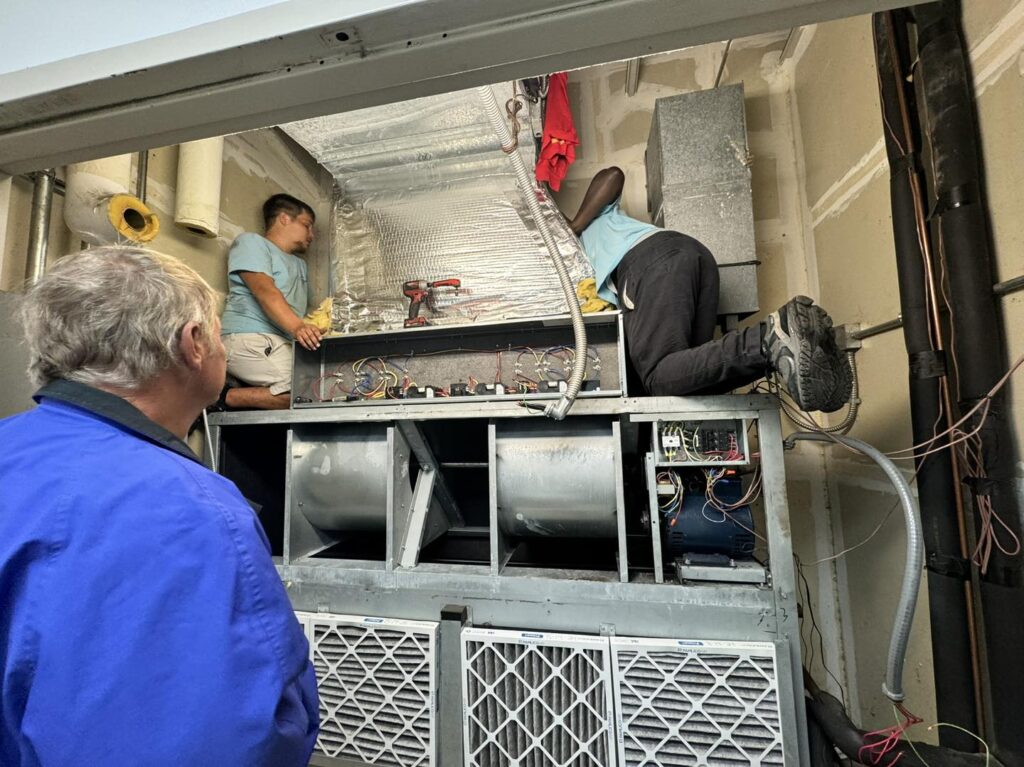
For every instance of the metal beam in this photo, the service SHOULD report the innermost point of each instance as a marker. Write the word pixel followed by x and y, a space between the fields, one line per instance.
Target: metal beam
pixel 51 117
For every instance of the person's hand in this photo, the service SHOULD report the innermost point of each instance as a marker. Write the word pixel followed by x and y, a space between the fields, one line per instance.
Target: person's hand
pixel 308 336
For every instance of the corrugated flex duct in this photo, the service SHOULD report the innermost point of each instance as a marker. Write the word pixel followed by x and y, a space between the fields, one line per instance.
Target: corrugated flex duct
pixel 424 192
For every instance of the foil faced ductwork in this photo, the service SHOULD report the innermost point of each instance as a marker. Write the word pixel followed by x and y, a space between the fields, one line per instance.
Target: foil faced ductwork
pixel 425 192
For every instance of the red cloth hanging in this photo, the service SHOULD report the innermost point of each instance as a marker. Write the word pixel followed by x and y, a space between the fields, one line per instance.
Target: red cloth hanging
pixel 558 146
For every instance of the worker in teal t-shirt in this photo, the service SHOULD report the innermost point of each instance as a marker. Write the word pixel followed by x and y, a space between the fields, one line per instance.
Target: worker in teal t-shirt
pixel 666 284
pixel 268 292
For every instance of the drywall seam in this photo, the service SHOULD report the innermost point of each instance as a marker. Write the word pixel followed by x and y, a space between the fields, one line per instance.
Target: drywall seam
pixel 996 52
pixel 812 284
pixel 991 57
pixel 838 197
pixel 845 610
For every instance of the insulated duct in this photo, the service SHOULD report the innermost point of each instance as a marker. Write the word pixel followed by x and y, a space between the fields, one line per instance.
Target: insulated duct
pixel 98 208
pixel 941 511
pixel 424 192
pixel 197 196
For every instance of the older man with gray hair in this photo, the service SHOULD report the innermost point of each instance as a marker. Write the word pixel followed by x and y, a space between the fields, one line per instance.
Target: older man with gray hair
pixel 142 620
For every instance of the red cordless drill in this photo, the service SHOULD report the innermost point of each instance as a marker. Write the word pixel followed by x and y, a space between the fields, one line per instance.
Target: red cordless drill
pixel 418 291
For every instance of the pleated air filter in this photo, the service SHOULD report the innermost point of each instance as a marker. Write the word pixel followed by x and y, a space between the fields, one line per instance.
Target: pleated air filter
pixel 377 681
pixel 536 700
pixel 696 703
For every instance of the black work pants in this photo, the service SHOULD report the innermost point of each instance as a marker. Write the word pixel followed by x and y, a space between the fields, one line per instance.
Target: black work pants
pixel 671 282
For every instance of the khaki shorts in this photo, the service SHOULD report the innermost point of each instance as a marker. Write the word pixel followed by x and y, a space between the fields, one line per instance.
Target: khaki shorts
pixel 260 359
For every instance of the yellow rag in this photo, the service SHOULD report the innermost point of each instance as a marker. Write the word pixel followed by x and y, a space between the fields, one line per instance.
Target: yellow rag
pixel 321 316
pixel 586 291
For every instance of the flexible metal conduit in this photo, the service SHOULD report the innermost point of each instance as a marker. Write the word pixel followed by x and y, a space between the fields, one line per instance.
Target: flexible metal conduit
pixel 557 410
pixel 893 686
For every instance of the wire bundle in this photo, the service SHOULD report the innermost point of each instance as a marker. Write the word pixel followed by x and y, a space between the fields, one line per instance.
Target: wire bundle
pixel 674 504
pixel 879 743
pixel 376 377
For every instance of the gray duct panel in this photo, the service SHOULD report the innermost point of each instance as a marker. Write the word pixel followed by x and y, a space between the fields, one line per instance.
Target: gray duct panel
pixel 424 192
pixel 698 183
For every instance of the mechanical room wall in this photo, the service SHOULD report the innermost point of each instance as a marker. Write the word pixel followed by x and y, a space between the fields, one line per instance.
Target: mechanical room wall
pixel 851 246
pixel 256 165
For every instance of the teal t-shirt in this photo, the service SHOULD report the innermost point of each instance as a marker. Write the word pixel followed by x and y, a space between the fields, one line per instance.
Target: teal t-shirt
pixel 254 253
pixel 607 240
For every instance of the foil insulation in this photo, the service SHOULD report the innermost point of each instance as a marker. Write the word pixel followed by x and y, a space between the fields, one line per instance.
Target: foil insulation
pixel 424 192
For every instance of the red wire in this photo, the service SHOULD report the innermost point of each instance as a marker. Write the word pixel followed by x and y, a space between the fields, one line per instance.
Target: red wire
pixel 879 743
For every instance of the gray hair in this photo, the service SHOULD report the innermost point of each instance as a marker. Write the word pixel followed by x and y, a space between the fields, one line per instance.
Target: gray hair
pixel 112 316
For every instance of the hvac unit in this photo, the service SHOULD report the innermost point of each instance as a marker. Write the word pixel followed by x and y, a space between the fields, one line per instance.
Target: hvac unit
pixel 681 702
pixel 377 679
pixel 536 700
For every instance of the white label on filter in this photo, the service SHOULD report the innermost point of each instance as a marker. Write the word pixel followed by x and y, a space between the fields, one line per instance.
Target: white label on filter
pixel 670 440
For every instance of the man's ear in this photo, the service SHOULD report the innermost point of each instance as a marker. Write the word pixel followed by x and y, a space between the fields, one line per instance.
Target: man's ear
pixel 191 345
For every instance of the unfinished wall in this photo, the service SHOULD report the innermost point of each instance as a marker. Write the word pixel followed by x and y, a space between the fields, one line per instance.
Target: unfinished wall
pixel 257 164
pixel 852 251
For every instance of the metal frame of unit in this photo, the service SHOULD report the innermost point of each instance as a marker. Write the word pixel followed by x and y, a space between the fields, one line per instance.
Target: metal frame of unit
pixel 500 595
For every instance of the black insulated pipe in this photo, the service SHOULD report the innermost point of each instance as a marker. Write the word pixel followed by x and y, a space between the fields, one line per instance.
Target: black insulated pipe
pixel 828 713
pixel 962 226
pixel 944 549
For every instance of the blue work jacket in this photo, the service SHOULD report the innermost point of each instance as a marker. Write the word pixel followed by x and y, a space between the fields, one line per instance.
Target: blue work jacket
pixel 142 621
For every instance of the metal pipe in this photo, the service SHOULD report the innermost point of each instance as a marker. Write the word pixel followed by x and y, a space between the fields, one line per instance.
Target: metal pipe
pixel 1009 286
pixel 632 76
pixel 528 188
pixel 721 67
pixel 39 224
pixel 58 185
pixel 142 174
pixel 1000 289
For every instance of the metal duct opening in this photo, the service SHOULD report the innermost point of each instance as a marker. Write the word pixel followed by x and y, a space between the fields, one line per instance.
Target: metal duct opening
pixel 425 193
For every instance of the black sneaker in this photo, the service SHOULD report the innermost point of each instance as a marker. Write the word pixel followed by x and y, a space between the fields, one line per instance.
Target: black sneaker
pixel 801 347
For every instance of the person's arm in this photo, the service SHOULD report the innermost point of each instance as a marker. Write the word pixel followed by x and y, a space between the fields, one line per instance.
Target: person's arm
pixel 604 189
pixel 274 305
pixel 180 629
